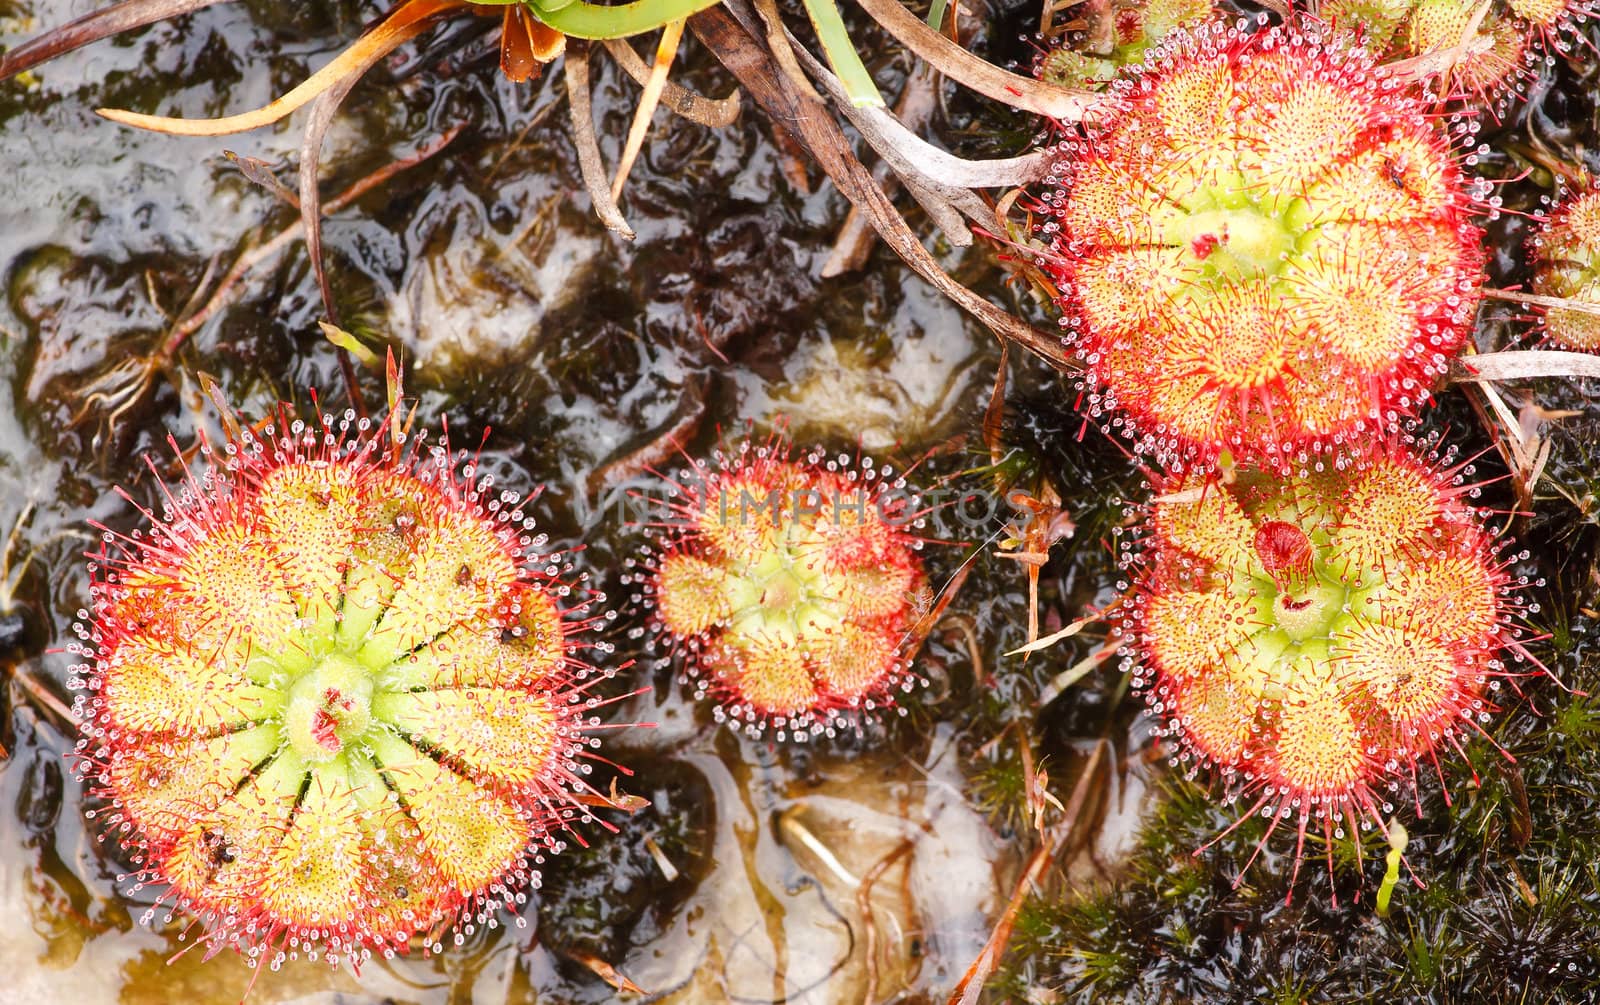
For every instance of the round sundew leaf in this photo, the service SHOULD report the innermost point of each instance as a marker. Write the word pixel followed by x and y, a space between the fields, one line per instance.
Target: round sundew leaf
pixel 1180 393
pixel 852 531
pixel 465 656
pixel 1566 259
pixel 473 833
pixel 518 648
pixel 313 509
pixel 1213 528
pixel 852 660
pixel 1388 506
pixel 402 888
pixel 1452 598
pixel 1114 209
pixel 394 506
pixel 1295 126
pixel 1574 329
pixel 740 514
pixel 313 879
pixel 1348 303
pixel 233 575
pixel 223 856
pixel 1408 176
pixel 691 594
pixel 459 570
pixel 1238 340
pixel 1573 233
pixel 538 636
pixel 165 784
pixel 1373 21
pixel 1544 13
pixel 1440 24
pixel 511 736
pixel 1190 634
pixel 769 674
pixel 1192 103
pixel 1317 748
pixel 147 601
pixel 172 688
pixel 1218 715
pixel 1121 291
pixel 1409 677
pixel 1329 398
pixel 874 593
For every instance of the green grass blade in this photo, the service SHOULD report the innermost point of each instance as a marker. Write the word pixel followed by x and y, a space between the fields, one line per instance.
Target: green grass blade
pixel 841 53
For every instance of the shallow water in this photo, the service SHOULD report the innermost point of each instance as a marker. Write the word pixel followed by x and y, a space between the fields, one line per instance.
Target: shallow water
pixel 514 311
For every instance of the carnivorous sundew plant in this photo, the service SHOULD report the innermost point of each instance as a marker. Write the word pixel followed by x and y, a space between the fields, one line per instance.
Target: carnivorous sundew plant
pixel 1265 248
pixel 333 694
pixel 788 586
pixel 1317 639
pixel 1499 43
pixel 1566 260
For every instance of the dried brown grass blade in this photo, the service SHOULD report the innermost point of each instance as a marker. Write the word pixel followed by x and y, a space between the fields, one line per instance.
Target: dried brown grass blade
pixel 1520 364
pixel 310 202
pixel 408 21
pixel 714 113
pixel 987 79
pixel 666 49
pixel 93 27
pixel 994 416
pixel 260 172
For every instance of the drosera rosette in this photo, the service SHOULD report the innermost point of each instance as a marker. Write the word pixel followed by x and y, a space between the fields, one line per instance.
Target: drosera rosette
pixel 1494 48
pixel 1087 57
pixel 1317 640
pixel 335 696
pixel 788 589
pixel 1266 247
pixel 1566 264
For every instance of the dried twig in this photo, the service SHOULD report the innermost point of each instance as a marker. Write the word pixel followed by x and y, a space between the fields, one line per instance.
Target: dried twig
pixel 1442 61
pixel 1549 303
pixel 915 107
pixel 93 27
pixel 590 163
pixel 918 160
